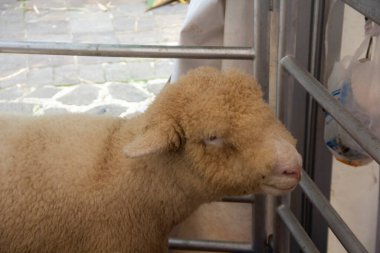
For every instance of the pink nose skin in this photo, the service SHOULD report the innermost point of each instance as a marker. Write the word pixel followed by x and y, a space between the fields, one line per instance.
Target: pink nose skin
pixel 288 169
pixel 289 161
pixel 293 173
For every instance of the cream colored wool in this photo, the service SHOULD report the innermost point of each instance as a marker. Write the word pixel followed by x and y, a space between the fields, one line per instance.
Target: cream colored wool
pixel 81 183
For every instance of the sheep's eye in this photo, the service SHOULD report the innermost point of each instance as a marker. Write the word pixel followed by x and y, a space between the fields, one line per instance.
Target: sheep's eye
pixel 214 141
pixel 212 138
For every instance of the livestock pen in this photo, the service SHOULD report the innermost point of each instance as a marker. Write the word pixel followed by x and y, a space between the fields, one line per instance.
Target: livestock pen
pixel 292 31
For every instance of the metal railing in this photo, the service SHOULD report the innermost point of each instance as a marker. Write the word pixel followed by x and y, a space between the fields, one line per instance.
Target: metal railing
pixel 369 8
pixel 214 246
pixel 354 127
pixel 296 229
pixel 111 50
pixel 335 222
pixel 370 143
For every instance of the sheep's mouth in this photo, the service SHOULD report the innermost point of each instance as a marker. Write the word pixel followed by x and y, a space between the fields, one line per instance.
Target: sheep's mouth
pixel 276 190
pixel 279 185
pixel 282 188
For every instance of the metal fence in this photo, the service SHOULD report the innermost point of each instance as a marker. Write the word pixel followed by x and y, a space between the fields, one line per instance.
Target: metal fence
pixel 355 128
pixel 260 54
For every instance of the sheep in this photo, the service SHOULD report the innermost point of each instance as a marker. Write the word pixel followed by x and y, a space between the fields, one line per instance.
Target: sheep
pixel 82 183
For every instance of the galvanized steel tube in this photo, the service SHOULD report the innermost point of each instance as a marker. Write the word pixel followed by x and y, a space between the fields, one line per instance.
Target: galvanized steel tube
pixel 286 45
pixel 349 241
pixel 261 44
pixel 369 8
pixel 110 50
pixel 354 127
pixel 239 199
pixel 288 13
pixel 295 228
pixel 262 214
pixel 214 246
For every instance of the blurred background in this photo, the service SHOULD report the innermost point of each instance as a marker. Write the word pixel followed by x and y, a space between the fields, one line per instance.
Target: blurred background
pixel 42 84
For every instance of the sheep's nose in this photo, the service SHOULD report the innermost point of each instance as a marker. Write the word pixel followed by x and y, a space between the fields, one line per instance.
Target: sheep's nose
pixel 291 172
pixel 289 161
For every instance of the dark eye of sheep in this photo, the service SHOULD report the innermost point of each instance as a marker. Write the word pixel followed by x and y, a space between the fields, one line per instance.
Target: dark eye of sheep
pixel 214 141
pixel 212 138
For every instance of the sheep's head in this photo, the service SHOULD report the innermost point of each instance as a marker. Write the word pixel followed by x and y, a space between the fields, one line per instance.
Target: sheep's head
pixel 219 124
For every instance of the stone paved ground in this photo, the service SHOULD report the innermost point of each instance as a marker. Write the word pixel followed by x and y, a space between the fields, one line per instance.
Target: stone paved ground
pixel 42 84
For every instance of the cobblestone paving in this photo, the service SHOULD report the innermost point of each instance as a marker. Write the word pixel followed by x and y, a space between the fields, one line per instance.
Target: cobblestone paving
pixel 42 84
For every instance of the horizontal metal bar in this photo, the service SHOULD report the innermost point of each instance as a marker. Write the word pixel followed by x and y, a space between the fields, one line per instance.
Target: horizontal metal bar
pixel 353 126
pixel 369 8
pixel 349 241
pixel 214 246
pixel 240 199
pixel 112 50
pixel 296 229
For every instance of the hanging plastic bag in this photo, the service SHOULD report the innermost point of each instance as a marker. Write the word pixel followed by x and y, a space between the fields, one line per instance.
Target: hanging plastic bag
pixel 355 82
pixel 366 82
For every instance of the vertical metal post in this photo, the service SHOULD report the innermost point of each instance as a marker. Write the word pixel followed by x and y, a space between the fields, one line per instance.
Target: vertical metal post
pixel 286 46
pixel 311 107
pixel 287 10
pixel 317 159
pixel 261 44
pixel 261 72
pixel 377 247
pixel 299 115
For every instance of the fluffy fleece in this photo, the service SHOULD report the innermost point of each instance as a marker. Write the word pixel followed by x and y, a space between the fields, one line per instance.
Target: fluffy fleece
pixel 80 183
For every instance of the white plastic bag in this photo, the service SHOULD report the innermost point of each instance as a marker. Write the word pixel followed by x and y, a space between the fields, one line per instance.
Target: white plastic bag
pixel 365 81
pixel 355 83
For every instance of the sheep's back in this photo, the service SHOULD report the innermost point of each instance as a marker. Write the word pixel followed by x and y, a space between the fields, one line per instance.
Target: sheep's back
pixel 52 167
pixel 46 148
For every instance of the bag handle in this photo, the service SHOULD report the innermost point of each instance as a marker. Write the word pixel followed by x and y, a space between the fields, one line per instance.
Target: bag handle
pixel 362 48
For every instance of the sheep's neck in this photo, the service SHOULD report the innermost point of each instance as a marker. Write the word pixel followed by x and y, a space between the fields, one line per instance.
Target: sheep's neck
pixel 188 193
pixel 174 191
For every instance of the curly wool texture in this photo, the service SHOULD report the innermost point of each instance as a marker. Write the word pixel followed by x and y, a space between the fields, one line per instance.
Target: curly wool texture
pixel 81 183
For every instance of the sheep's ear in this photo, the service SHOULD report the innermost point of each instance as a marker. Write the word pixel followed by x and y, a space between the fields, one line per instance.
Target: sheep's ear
pixel 155 140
